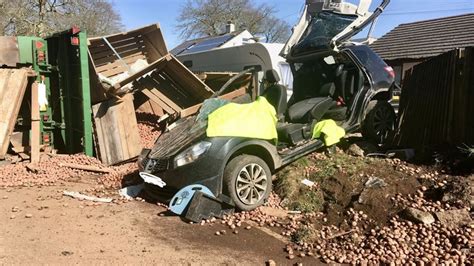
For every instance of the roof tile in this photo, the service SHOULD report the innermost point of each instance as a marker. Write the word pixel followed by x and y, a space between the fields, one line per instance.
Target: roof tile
pixel 426 38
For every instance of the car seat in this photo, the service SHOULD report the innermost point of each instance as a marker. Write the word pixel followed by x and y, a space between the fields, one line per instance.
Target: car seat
pixel 275 93
pixel 307 110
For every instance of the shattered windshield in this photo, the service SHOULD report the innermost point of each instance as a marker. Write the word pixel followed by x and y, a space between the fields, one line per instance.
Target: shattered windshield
pixel 321 29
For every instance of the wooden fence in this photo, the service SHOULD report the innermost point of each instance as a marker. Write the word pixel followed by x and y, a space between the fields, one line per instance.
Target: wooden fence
pixel 437 102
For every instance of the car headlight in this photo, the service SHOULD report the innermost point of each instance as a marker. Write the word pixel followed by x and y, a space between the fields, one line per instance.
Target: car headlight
pixel 191 154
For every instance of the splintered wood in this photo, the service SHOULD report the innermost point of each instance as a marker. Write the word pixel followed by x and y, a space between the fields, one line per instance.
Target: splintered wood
pixel 13 83
pixel 116 130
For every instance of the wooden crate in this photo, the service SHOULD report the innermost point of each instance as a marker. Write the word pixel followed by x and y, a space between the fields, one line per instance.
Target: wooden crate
pixel 112 55
pixel 146 43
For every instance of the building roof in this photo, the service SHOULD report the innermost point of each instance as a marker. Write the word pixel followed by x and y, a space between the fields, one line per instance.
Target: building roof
pixel 204 43
pixel 427 38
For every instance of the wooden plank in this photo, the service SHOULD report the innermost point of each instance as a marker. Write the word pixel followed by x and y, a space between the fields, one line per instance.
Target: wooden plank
pixel 126 45
pixel 157 100
pixel 188 80
pixel 4 83
pixel 35 125
pixel 109 67
pixel 169 102
pixel 86 167
pixel 116 130
pixel 110 57
pixel 114 70
pixel 154 51
pixel 155 65
pixel 128 60
pixel 9 52
pixel 168 86
pixel 135 32
pixel 13 88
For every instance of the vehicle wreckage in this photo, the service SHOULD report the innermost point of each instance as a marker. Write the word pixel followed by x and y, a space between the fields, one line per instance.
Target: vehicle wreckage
pixel 339 86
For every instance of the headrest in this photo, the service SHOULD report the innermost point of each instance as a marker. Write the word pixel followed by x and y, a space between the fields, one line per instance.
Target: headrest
pixel 272 76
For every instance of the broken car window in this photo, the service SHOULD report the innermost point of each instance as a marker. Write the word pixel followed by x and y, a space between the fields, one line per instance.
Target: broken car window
pixel 321 30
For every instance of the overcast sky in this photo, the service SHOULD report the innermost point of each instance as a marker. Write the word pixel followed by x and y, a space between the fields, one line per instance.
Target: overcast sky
pixel 137 13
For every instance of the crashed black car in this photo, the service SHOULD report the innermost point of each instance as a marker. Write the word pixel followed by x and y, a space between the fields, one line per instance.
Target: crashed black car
pixel 333 79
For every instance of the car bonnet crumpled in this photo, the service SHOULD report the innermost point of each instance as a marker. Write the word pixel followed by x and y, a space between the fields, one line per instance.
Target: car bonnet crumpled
pixel 252 120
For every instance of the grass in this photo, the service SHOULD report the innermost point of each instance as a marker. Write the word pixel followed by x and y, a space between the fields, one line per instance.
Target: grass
pixel 303 234
pixel 315 167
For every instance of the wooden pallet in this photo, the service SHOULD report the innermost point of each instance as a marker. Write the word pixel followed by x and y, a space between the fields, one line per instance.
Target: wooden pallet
pixel 13 83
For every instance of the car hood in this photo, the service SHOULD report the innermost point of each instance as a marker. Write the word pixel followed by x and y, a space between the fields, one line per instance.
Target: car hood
pixel 179 136
pixel 325 25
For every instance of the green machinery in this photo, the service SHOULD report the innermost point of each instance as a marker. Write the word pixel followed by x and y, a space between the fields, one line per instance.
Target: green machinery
pixel 61 64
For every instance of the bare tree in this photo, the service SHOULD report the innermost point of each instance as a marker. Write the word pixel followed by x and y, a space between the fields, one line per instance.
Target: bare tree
pixel 200 18
pixel 97 17
pixel 275 30
pixel 43 17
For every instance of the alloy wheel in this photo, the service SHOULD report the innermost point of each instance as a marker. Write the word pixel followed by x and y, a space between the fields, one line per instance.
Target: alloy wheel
pixel 251 184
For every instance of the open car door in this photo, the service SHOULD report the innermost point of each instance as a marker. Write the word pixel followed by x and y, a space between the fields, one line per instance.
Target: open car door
pixel 325 24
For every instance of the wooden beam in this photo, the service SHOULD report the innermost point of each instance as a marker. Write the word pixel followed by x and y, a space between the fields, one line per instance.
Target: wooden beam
pixel 157 100
pixel 35 125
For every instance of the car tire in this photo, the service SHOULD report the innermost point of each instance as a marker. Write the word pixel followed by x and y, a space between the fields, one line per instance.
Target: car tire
pixel 379 123
pixel 247 181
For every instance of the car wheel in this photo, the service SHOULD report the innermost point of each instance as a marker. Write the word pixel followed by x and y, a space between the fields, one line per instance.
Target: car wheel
pixel 248 181
pixel 379 123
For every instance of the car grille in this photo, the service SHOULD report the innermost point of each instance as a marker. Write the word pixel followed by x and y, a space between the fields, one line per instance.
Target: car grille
pixel 155 165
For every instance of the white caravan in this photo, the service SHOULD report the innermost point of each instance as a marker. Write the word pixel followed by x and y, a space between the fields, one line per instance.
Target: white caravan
pixel 264 56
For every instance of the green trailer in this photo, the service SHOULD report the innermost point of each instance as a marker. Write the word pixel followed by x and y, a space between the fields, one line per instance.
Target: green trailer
pixel 61 63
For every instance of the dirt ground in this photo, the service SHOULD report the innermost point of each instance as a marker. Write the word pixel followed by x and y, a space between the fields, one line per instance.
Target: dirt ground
pixel 63 230
pixel 354 200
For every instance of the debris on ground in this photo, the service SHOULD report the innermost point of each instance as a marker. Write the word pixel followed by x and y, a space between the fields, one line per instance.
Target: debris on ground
pixel 418 216
pixel 131 191
pixel 375 182
pixel 80 196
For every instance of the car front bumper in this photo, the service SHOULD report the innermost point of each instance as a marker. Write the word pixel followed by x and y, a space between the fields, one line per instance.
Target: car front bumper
pixel 207 170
